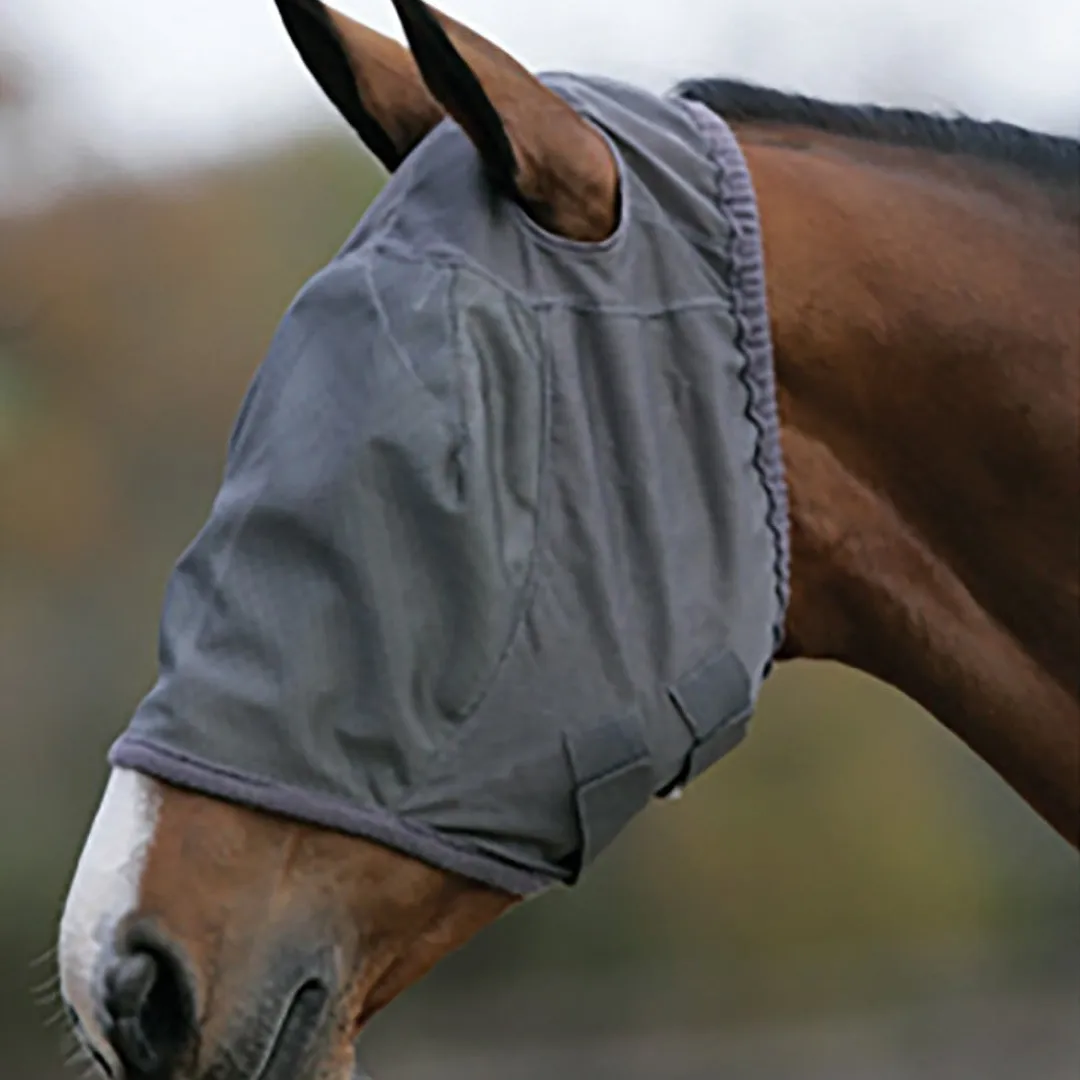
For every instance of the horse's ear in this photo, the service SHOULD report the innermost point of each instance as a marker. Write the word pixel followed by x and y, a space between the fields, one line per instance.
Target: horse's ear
pixel 535 146
pixel 373 81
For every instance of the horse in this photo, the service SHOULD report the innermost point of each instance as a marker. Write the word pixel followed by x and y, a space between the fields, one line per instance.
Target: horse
pixel 923 276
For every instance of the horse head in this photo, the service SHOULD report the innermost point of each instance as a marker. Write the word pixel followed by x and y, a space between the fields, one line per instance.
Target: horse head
pixel 501 552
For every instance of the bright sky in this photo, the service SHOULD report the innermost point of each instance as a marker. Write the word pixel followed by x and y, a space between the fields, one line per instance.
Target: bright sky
pixel 154 82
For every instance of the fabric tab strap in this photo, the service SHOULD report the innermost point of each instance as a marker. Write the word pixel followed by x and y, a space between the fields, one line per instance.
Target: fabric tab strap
pixel 715 702
pixel 613 782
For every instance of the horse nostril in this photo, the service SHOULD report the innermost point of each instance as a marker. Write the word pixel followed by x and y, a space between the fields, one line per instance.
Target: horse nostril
pixel 148 1011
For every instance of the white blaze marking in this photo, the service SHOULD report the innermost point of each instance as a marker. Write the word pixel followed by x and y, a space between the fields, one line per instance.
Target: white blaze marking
pixel 105 889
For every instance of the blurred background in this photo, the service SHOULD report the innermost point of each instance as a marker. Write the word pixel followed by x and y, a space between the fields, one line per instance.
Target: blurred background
pixel 850 895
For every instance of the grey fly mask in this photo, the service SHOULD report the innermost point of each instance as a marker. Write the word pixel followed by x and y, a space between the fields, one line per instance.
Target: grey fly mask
pixel 501 548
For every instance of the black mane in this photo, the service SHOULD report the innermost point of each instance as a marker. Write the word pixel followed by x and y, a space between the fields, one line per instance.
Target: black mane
pixel 1052 157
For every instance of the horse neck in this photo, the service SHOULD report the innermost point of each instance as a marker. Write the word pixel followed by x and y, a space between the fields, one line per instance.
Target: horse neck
pixel 927 367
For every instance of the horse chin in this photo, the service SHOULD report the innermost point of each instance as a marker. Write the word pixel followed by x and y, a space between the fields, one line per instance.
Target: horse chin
pixel 276 940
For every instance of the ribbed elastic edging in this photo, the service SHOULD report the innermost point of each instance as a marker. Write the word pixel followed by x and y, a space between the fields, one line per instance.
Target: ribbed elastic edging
pixel 186 771
pixel 753 338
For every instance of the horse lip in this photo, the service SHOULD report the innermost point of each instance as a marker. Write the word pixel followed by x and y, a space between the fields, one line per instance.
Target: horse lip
pixel 297 1033
pixel 83 1039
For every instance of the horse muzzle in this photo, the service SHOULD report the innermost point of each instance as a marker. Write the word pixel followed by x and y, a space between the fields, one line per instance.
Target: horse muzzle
pixel 145 1005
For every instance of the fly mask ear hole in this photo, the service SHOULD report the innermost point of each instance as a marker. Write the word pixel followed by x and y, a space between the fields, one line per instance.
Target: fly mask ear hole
pixel 535 147
pixel 371 79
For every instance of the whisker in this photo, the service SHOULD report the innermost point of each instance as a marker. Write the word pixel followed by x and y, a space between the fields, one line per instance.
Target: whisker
pixel 56 1017
pixel 47 957
pixel 47 992
pixel 78 1056
pixel 81 1058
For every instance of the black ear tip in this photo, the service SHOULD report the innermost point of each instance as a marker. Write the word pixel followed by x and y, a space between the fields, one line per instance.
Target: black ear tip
pixel 458 89
pixel 294 12
pixel 313 33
